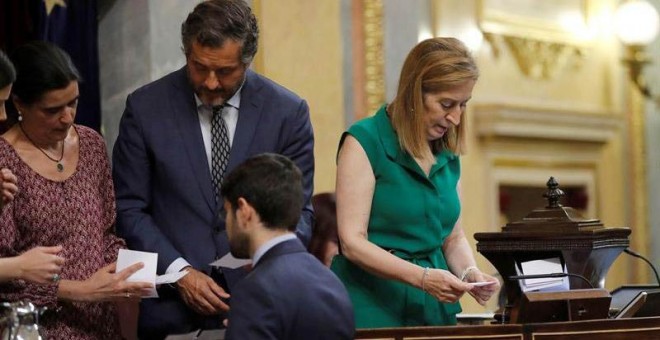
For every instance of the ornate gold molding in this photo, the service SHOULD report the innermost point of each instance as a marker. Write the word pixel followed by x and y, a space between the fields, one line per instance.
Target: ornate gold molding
pixel 540 59
pixel 374 55
pixel 541 44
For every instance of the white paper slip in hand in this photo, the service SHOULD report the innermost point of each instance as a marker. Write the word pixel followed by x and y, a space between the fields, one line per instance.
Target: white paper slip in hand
pixel 229 261
pixel 482 283
pixel 127 258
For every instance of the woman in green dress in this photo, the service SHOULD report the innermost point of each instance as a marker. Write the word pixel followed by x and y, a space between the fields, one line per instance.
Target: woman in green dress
pixel 404 260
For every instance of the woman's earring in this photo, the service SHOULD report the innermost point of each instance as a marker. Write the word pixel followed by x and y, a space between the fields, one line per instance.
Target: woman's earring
pixel 20 116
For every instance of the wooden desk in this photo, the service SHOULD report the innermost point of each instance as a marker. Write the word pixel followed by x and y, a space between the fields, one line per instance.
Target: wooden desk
pixel 610 329
pixel 499 332
pixel 620 329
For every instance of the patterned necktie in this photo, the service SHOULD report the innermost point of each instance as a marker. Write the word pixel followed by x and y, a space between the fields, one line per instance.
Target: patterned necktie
pixel 219 148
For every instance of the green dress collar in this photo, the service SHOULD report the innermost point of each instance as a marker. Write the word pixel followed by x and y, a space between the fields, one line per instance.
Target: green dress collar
pixel 394 151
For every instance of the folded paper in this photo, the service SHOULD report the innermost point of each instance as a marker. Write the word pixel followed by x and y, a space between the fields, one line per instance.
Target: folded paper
pixel 127 258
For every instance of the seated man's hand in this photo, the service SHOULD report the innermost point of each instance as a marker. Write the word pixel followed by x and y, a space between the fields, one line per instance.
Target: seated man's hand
pixel 201 293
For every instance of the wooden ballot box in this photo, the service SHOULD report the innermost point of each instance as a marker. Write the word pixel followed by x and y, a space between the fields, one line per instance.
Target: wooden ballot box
pixel 585 247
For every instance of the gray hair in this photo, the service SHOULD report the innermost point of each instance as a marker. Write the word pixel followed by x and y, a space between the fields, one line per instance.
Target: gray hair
pixel 212 22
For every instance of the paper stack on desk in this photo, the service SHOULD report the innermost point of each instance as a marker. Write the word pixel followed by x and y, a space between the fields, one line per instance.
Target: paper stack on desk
pixel 127 258
pixel 541 267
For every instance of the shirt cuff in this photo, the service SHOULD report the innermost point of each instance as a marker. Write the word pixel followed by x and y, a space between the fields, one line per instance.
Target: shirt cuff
pixel 177 265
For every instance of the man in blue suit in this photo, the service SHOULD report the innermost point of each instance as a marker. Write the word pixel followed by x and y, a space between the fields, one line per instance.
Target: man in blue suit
pixel 177 137
pixel 289 294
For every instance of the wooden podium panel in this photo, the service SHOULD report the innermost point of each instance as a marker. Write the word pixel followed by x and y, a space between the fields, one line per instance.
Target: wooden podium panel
pixel 608 329
pixel 619 329
pixel 495 332
pixel 572 305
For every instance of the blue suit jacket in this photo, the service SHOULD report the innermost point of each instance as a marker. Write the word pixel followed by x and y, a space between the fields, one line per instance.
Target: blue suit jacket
pixel 165 195
pixel 290 295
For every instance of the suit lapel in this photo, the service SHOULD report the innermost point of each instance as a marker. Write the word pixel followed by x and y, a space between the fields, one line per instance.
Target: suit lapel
pixel 185 115
pixel 249 115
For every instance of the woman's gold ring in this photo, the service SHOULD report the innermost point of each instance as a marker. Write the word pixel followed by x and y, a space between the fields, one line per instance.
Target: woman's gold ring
pixel 56 277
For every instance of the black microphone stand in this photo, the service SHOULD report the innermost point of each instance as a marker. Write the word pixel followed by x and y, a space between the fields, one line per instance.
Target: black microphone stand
pixel 637 255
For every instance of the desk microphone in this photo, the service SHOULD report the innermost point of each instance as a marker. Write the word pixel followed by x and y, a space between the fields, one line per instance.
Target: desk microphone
pixel 637 255
pixel 550 275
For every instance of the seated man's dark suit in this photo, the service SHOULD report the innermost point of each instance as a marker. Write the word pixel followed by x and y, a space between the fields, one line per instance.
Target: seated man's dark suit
pixel 290 295
pixel 165 195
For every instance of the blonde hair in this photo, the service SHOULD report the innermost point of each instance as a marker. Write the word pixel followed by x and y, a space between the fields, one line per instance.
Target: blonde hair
pixel 434 65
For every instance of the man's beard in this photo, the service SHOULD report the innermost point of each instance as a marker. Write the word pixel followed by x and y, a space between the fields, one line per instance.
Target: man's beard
pixel 209 97
pixel 206 95
pixel 239 246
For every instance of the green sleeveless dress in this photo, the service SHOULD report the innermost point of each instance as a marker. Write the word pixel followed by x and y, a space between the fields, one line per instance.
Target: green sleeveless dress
pixel 411 215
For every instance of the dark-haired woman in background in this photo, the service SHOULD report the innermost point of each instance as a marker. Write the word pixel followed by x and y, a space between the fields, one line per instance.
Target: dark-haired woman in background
pixel 325 242
pixel 38 264
pixel 66 198
pixel 8 186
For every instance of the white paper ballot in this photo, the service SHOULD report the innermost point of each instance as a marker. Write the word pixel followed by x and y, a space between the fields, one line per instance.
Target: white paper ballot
pixel 229 261
pixel 127 258
pixel 540 267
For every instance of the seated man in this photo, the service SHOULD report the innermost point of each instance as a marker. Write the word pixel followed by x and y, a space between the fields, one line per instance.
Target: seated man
pixel 288 294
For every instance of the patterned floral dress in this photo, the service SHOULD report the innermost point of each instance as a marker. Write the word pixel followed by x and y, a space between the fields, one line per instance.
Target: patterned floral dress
pixel 77 213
